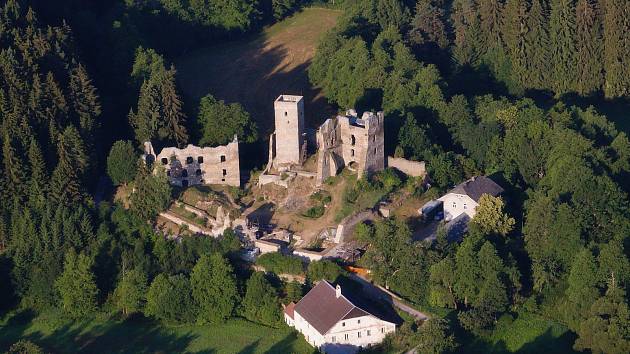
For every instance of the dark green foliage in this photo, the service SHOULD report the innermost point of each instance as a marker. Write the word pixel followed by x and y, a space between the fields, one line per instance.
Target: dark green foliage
pixel 293 292
pixel 121 162
pixel 589 48
pixel 214 289
pixel 323 270
pixel 25 347
pixel 562 45
pixel 607 326
pixel 152 192
pixel 220 122
pixel 279 264
pixel 77 274
pixel 260 303
pixel 434 337
pixel 130 294
pixel 169 299
pixel 159 114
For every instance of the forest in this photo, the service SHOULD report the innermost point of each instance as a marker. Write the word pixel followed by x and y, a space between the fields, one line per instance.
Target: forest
pixel 535 93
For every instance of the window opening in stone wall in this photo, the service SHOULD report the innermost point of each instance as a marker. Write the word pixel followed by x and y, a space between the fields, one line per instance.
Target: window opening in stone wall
pixel 353 140
pixel 198 172
pixel 352 152
pixel 222 158
pixel 285 113
pixel 184 183
pixel 164 161
pixel 185 173
pixel 374 151
pixel 200 159
pixel 189 160
pixel 224 172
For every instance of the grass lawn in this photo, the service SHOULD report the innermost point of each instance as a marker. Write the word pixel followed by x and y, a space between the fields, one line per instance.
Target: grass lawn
pixel 255 70
pixel 529 333
pixel 146 336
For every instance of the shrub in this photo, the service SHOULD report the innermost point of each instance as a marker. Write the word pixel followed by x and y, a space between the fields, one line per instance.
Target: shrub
pixel 279 264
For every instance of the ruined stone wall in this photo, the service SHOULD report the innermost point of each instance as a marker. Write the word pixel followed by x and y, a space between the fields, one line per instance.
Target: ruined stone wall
pixel 408 167
pixel 196 165
pixel 349 141
pixel 289 129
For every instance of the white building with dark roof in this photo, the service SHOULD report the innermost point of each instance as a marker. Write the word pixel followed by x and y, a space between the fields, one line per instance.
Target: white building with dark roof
pixel 464 198
pixel 334 324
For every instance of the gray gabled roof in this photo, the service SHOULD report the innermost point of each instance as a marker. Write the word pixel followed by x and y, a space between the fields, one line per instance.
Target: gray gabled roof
pixel 476 187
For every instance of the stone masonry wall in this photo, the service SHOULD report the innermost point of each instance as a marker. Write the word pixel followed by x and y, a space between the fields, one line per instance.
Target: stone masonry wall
pixel 196 165
pixel 347 140
pixel 289 129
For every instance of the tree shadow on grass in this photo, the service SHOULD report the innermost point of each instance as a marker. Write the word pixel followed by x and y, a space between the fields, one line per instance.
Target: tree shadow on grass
pixel 285 345
pixel 136 335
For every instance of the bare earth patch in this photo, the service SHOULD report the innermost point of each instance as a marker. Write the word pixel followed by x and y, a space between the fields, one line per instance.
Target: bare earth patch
pixel 255 71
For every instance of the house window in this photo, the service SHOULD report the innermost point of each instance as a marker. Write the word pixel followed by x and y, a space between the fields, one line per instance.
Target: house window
pixel 164 161
pixel 359 321
pixel 383 330
pixel 222 158
pixel 334 339
pixel 368 333
pixel 345 336
pixel 200 159
pixel 464 205
pixel 358 334
pixel 189 160
pixel 343 324
pixel 454 205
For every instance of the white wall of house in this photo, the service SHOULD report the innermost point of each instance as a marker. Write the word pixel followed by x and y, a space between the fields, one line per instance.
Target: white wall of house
pixel 457 204
pixel 360 331
pixel 346 336
pixel 311 335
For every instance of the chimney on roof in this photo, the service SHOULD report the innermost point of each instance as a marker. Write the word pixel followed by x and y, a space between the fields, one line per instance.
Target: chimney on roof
pixel 338 291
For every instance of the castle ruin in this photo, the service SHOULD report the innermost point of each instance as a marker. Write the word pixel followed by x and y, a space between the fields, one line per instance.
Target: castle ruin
pixel 194 165
pixel 358 143
pixel 287 145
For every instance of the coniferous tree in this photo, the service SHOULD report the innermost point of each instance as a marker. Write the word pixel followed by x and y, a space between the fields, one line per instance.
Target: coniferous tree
pixel 172 109
pixel 15 170
pixel 589 69
pixel 39 176
pixel 66 182
pixel 466 28
pixel 76 286
pixel 537 46
pixel 121 164
pixel 514 34
pixel 616 48
pixel 428 24
pixel 85 101
pixel 562 46
pixel 491 23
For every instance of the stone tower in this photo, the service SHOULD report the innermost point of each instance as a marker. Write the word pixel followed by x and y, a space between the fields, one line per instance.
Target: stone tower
pixel 289 140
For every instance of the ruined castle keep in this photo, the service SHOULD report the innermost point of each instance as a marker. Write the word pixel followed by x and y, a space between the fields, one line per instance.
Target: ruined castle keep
pixel 198 165
pixel 287 144
pixel 347 140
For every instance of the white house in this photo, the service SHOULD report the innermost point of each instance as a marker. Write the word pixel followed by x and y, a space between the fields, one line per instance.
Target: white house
pixel 464 198
pixel 332 323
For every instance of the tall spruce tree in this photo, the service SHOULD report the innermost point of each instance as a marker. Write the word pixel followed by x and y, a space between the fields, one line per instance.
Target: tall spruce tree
pixel 66 182
pixel 589 69
pixel 428 24
pixel 562 45
pixel 76 286
pixel 491 16
pixel 616 48
pixel 514 34
pixel 38 185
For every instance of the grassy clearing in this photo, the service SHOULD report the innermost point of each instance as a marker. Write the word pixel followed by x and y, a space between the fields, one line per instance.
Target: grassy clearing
pixel 529 333
pixel 146 336
pixel 254 71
